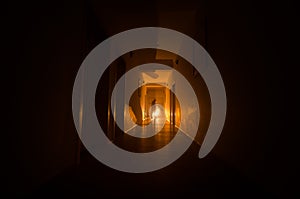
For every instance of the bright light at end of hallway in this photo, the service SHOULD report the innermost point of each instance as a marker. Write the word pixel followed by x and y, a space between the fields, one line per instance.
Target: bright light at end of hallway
pixel 156 112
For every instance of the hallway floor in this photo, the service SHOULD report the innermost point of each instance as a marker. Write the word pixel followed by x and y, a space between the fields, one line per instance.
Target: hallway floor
pixel 143 145
pixel 188 177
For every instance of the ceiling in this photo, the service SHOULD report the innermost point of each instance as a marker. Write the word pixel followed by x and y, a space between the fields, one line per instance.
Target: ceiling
pixel 156 76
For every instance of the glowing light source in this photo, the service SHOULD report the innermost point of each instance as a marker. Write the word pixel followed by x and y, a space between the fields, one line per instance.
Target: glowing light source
pixel 156 112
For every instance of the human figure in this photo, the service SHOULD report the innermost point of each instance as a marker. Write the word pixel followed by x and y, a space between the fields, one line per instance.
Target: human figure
pixel 153 102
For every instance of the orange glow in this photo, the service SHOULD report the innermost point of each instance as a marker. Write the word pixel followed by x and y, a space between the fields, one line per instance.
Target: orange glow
pixel 140 107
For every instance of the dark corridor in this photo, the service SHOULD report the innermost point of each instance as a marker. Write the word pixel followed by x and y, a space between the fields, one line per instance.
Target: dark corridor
pixel 250 42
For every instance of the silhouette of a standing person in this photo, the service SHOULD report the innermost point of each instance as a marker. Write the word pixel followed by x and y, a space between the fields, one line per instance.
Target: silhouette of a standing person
pixel 153 102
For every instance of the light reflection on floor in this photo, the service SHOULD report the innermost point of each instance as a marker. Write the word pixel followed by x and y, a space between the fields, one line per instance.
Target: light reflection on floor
pixel 163 137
